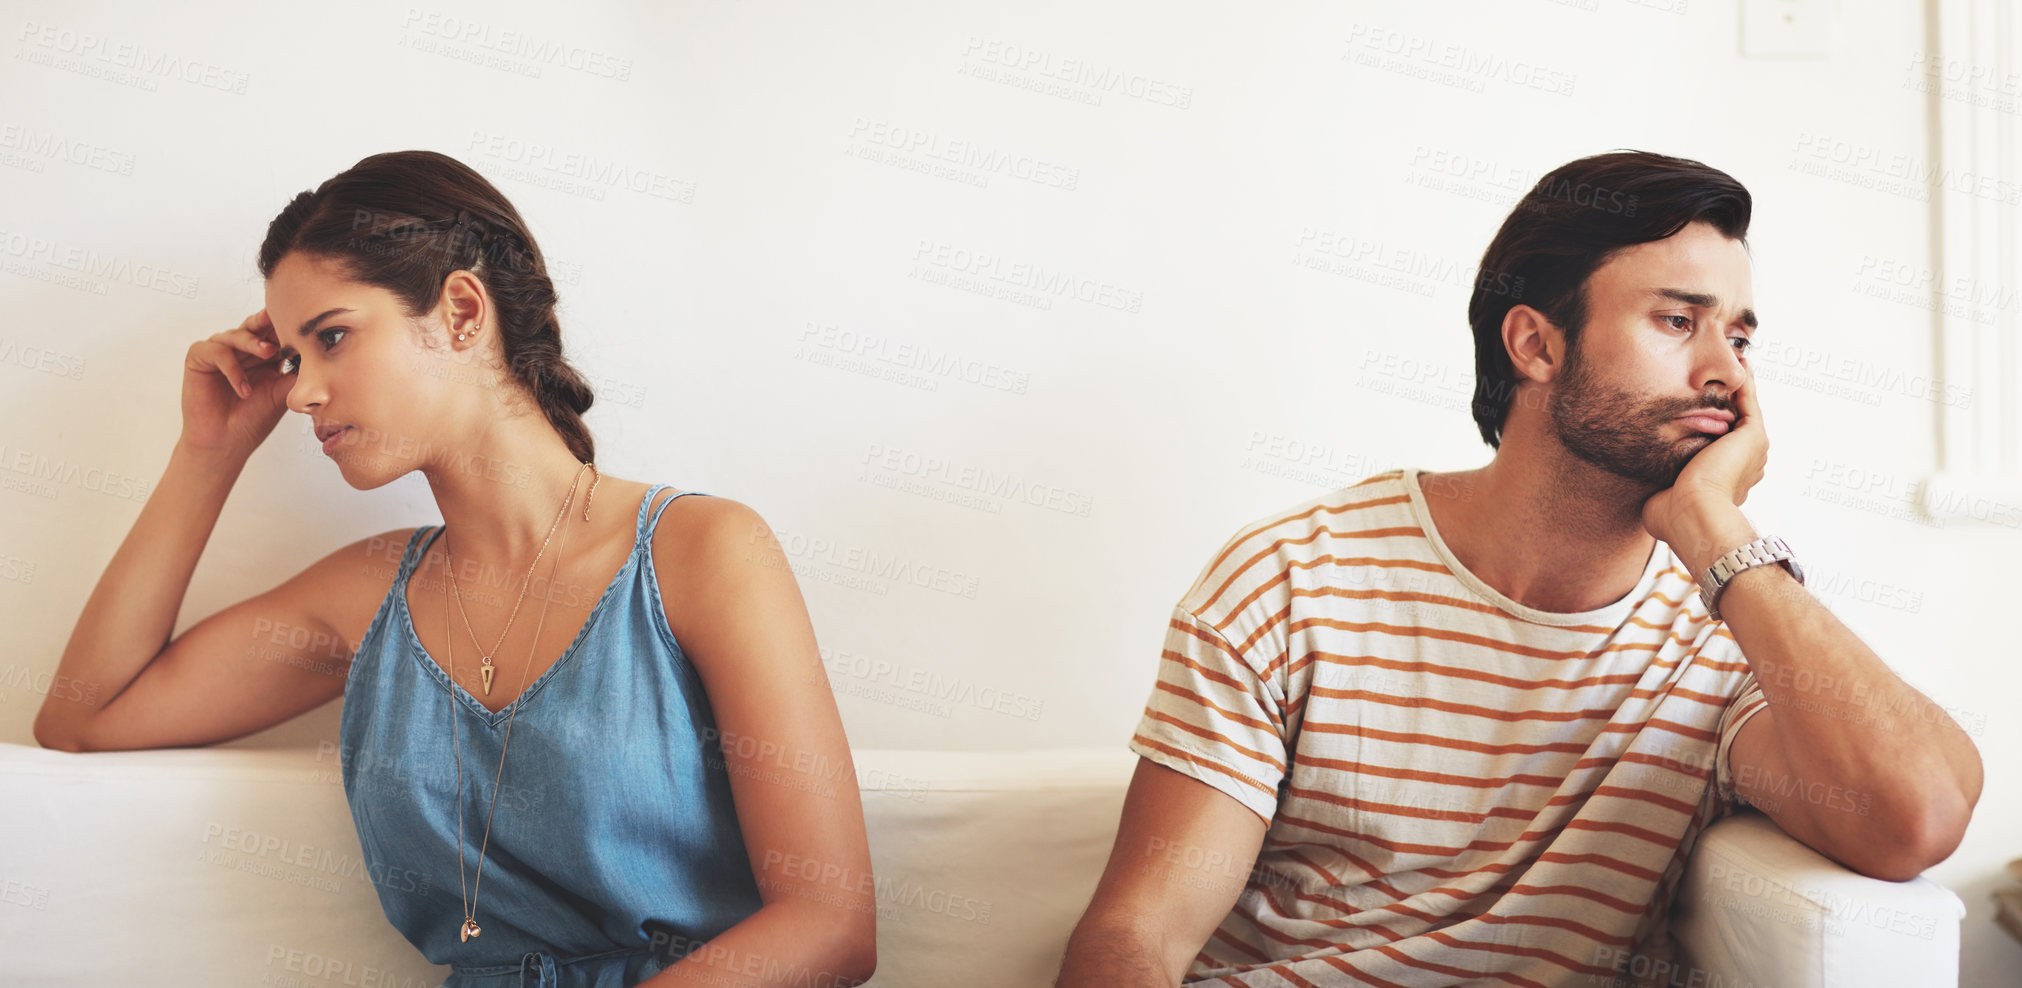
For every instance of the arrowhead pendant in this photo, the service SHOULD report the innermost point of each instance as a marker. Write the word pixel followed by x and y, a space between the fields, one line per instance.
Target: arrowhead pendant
pixel 488 669
pixel 469 928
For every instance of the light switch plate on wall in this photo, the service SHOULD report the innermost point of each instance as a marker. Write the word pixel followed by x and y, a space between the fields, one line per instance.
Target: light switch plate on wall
pixel 1784 28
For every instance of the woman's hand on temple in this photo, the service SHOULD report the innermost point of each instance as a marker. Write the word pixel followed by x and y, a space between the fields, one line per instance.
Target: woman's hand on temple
pixel 230 400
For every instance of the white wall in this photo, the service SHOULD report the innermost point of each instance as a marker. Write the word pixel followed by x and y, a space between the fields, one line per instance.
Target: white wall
pixel 713 214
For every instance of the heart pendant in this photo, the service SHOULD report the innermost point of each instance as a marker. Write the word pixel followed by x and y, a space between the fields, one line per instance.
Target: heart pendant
pixel 487 671
pixel 469 928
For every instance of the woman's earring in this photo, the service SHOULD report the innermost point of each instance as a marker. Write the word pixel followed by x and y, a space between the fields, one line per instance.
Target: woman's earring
pixel 459 336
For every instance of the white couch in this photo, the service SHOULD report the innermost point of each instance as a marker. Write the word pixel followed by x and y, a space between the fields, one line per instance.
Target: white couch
pixel 215 866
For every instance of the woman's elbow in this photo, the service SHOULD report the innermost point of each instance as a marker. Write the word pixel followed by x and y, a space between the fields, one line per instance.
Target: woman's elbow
pixel 856 950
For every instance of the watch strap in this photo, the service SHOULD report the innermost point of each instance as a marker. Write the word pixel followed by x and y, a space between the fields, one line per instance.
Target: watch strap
pixel 1761 552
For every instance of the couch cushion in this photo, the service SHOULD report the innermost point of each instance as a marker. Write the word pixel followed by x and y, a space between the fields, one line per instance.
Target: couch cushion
pixel 984 861
pixel 191 866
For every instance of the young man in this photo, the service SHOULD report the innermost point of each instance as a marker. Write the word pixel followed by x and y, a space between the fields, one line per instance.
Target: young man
pixel 1434 729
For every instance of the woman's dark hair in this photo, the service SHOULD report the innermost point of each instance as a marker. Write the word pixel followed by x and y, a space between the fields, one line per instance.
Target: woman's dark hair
pixel 1577 217
pixel 403 221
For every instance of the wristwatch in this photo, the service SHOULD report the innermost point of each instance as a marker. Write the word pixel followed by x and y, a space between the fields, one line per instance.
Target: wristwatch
pixel 1767 549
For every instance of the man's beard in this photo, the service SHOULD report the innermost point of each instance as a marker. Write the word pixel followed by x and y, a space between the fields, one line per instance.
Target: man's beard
pixel 1620 432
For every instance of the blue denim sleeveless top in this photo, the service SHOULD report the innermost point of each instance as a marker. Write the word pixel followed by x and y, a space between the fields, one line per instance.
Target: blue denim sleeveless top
pixel 614 845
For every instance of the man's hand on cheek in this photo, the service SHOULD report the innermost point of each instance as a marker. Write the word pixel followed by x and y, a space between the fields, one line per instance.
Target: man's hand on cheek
pixel 1719 475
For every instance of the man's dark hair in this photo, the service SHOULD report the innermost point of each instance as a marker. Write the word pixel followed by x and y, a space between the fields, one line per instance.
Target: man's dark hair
pixel 1577 217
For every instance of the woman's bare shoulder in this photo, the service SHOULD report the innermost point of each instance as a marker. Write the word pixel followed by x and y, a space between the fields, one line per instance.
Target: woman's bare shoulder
pixel 696 537
pixel 705 521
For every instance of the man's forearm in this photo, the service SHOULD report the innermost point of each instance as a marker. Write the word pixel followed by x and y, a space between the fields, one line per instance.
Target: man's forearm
pixel 1112 957
pixel 1842 717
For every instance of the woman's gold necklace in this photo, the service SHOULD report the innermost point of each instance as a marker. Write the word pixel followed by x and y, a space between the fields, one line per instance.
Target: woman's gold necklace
pixel 487 668
pixel 470 927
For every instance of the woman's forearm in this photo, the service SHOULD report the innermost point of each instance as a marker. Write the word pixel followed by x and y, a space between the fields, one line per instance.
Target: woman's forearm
pixel 780 944
pixel 131 614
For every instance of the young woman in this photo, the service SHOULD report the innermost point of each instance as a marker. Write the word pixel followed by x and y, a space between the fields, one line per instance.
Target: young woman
pixel 595 710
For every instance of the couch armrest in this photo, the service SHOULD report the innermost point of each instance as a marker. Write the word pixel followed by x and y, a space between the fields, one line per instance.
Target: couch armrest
pixel 1759 907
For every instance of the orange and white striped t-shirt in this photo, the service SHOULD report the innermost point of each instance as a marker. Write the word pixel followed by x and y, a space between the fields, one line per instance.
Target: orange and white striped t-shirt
pixel 1458 788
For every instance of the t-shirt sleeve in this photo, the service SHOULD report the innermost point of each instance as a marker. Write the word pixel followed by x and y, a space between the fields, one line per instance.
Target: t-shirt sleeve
pixel 1748 701
pixel 1213 717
